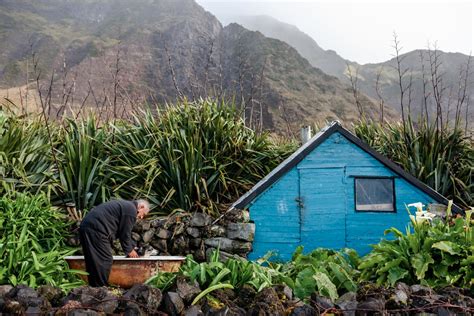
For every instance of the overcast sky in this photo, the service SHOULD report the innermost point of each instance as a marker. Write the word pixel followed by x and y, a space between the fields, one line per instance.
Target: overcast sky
pixel 362 31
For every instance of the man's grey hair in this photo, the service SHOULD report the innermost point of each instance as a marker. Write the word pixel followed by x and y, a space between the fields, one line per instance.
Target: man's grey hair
pixel 144 202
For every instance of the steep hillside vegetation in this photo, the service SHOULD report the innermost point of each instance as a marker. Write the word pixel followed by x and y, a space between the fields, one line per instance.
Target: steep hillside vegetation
pixel 116 55
pixel 448 69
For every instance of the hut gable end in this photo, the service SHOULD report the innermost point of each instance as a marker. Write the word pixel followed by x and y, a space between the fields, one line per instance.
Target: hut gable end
pixel 333 192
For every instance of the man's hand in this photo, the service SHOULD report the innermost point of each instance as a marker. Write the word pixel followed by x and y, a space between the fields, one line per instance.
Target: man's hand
pixel 133 254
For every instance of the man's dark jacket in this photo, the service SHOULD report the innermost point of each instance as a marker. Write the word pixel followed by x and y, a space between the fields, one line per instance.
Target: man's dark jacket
pixel 103 224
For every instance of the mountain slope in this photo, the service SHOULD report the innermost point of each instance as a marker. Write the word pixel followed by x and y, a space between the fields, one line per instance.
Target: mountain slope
pixel 450 65
pixel 115 54
pixel 326 60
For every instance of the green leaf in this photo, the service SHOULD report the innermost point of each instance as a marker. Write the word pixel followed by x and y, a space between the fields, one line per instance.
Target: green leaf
pixel 210 289
pixel 344 279
pixel 421 262
pixel 325 286
pixel 305 284
pixel 447 246
pixel 396 274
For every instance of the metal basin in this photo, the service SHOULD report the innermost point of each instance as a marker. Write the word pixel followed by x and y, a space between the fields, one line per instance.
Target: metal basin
pixel 127 272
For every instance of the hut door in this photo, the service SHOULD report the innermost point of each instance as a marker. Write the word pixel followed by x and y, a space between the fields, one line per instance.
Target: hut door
pixel 322 208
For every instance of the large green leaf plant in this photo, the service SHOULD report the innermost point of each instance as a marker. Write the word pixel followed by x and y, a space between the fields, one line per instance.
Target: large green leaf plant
pixel 432 252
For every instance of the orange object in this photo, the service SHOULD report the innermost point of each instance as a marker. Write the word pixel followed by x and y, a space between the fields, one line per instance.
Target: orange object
pixel 127 272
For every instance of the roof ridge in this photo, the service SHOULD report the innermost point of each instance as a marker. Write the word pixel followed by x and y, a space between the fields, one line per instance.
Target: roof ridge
pixel 313 143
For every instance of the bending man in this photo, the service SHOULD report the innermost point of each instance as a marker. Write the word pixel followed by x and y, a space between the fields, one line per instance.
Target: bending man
pixel 104 223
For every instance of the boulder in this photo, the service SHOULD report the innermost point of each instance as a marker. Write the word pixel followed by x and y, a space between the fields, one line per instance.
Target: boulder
pixel 100 297
pixel 241 231
pixel 158 222
pixel 179 245
pixel 136 236
pixel 132 309
pixel 68 307
pixel 187 291
pixel 159 244
pixel 148 235
pixel 229 245
pixel 194 310
pixel 200 220
pixel 246 295
pixel 195 243
pixel 217 231
pixel 36 306
pixel 51 293
pixel 142 226
pixel 193 232
pixel 145 296
pixel 322 303
pixel 347 303
pixel 224 311
pixel 21 293
pixel 11 307
pixel 372 304
pixel 223 303
pixel 163 233
pixel 173 304
pixel 84 312
pixel 4 289
pixel 267 302
pixel 304 310
pixel 398 299
pixel 418 289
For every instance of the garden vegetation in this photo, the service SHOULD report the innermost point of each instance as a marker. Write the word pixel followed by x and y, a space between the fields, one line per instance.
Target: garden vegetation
pixel 435 253
pixel 200 156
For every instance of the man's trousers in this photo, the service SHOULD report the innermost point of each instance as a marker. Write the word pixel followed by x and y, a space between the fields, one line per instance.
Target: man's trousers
pixel 98 256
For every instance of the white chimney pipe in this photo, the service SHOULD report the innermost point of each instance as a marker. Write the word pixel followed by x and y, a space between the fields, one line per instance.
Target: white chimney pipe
pixel 305 134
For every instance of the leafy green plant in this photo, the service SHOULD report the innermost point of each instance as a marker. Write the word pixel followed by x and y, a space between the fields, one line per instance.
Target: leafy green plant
pixel 234 271
pixel 329 272
pixel 82 164
pixel 441 158
pixel 25 155
pixel 434 253
pixel 325 271
pixel 191 156
pixel 32 246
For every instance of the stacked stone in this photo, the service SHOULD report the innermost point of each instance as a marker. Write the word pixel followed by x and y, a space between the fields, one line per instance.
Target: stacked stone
pixel 276 300
pixel 198 234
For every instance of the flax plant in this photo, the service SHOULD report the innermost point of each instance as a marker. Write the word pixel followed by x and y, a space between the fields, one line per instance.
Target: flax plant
pixel 441 158
pixel 191 156
pixel 83 164
pixel 25 155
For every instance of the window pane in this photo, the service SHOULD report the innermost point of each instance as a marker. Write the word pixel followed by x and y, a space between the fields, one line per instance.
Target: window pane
pixel 374 194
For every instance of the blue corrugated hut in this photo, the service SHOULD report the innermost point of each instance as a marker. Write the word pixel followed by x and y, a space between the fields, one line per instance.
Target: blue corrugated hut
pixel 333 192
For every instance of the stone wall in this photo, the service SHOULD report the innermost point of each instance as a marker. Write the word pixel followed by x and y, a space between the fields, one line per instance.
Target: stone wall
pixel 197 234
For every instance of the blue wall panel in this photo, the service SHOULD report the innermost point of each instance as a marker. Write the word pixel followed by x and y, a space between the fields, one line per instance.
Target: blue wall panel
pixel 276 216
pixel 324 180
pixel 323 211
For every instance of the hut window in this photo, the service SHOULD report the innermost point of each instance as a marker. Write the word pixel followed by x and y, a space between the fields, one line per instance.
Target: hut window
pixel 374 194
